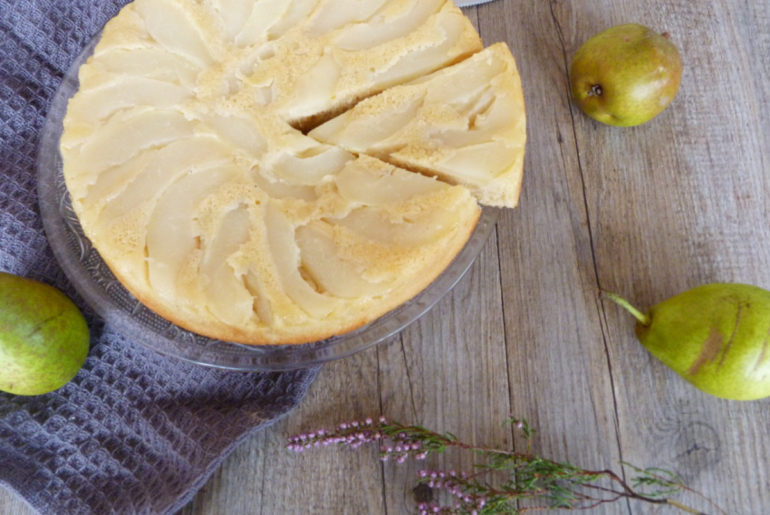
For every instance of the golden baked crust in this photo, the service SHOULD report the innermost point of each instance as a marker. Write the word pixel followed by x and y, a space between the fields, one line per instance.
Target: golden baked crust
pixel 187 169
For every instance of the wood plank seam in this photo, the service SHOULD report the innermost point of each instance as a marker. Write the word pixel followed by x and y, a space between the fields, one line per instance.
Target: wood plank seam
pixel 599 305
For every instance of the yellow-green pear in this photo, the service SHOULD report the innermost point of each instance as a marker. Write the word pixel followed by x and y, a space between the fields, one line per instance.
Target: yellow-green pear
pixel 625 75
pixel 716 336
pixel 44 338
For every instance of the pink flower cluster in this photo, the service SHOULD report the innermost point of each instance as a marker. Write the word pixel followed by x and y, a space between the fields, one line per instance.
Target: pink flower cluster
pixel 433 508
pixel 355 434
pixel 436 508
pixel 402 449
pixel 456 485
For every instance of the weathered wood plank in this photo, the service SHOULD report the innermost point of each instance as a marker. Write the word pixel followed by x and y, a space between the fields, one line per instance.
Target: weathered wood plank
pixel 675 203
pixel 557 361
pixel 12 505
pixel 449 374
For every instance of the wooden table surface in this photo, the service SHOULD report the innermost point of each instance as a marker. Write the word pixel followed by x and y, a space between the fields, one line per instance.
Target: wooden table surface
pixel 646 212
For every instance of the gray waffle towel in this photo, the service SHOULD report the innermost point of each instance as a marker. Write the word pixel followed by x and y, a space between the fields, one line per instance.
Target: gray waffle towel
pixel 134 432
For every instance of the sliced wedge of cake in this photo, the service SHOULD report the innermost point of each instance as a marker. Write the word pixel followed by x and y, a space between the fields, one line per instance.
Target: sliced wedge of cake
pixel 465 124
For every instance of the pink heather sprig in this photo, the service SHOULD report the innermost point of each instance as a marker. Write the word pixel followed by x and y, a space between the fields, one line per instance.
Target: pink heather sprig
pixel 554 484
pixel 395 442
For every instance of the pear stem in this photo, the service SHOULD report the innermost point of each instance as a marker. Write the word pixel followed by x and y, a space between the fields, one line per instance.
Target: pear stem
pixel 643 319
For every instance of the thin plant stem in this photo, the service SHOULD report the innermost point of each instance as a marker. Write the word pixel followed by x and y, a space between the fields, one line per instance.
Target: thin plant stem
pixel 643 319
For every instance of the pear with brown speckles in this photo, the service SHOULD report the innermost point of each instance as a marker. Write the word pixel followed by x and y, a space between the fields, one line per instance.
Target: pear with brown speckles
pixel 625 75
pixel 716 336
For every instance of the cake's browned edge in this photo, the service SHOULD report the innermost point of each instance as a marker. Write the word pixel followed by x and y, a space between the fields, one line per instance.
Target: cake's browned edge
pixel 226 333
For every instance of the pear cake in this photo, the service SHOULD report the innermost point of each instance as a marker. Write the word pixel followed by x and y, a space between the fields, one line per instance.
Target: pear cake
pixel 283 171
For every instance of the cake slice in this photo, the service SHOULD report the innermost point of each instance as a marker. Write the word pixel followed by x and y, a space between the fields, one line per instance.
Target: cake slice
pixel 465 124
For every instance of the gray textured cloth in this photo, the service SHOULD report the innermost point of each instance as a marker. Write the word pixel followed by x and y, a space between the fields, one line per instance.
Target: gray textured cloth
pixel 134 432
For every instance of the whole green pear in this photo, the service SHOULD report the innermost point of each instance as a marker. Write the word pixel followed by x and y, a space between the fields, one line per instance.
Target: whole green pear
pixel 716 336
pixel 44 338
pixel 625 75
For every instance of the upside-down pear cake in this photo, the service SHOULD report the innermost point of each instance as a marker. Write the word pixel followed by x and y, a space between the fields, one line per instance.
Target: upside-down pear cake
pixel 281 171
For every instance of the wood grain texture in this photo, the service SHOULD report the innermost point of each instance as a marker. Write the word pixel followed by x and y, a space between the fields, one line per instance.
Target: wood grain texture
pixel 557 359
pixel 675 203
pixel 12 505
pixel 646 212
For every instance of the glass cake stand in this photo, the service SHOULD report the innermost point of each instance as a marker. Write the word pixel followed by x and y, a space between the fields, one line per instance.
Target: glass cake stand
pixel 102 291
